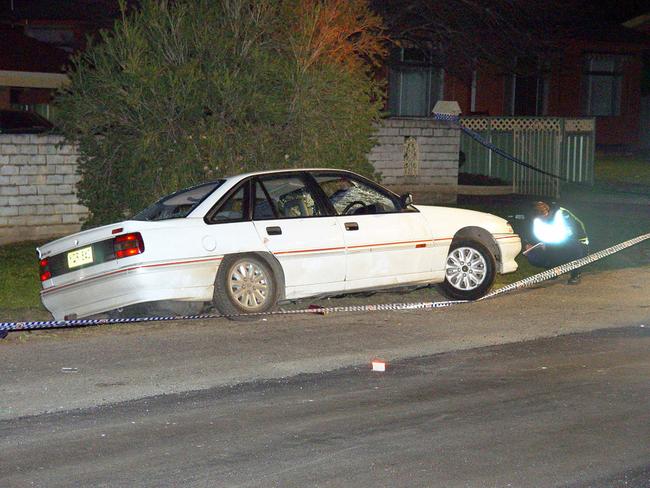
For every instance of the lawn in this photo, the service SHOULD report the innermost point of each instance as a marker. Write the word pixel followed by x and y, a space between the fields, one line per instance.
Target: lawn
pixel 618 170
pixel 19 282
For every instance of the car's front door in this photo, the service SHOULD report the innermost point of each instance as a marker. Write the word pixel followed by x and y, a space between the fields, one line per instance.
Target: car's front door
pixel 386 244
pixel 294 225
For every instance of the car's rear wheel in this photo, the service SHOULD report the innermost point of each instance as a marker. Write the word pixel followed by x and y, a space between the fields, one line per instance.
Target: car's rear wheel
pixel 469 270
pixel 245 287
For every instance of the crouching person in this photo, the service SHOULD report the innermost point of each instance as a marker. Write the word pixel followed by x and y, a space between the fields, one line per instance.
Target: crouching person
pixel 561 238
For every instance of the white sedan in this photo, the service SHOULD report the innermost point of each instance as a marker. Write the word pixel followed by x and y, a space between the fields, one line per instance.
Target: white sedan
pixel 247 242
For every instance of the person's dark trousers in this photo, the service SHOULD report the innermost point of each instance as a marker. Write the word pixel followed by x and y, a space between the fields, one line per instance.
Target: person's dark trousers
pixel 552 255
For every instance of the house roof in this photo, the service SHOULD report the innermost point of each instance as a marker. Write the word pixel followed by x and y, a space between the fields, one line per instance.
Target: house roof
pixel 608 33
pixel 19 52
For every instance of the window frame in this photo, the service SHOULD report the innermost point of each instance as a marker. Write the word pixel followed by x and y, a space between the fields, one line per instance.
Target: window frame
pixel 615 76
pixel 435 76
pixel 255 183
pixel 246 211
pixel 311 186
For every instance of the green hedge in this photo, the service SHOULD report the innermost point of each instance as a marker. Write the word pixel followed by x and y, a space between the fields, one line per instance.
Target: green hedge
pixel 182 92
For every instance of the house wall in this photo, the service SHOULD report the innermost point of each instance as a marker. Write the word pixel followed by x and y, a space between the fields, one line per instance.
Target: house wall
pixel 5 97
pixel 459 90
pixel 37 188
pixel 435 180
pixel 29 96
pixel 567 95
pixel 565 86
pixel 490 92
pixel 565 98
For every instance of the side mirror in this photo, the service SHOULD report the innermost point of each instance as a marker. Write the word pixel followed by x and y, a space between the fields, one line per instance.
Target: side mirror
pixel 406 199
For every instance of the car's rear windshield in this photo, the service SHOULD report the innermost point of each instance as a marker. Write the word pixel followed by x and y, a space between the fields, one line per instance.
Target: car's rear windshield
pixel 180 204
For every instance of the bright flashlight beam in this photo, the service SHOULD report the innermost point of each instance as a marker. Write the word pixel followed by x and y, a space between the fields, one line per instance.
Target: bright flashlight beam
pixel 553 232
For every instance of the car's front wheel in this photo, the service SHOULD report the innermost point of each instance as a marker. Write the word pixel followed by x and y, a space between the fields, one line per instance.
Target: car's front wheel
pixel 469 270
pixel 245 286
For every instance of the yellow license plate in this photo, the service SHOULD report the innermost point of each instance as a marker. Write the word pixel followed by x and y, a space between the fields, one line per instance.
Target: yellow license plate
pixel 80 257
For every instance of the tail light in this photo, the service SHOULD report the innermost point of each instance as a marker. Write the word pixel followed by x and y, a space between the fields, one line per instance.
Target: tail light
pixel 44 270
pixel 128 245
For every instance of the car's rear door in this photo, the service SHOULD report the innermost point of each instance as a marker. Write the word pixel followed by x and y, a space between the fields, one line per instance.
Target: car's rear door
pixel 385 243
pixel 294 224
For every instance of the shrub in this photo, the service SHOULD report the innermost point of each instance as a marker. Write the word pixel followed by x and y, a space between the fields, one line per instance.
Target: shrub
pixel 187 91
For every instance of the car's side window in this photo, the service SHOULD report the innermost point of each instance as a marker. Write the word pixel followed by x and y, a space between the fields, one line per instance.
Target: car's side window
pixel 350 196
pixel 286 197
pixel 232 210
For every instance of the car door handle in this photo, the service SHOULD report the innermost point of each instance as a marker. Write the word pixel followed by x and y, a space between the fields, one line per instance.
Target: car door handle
pixel 274 231
pixel 351 226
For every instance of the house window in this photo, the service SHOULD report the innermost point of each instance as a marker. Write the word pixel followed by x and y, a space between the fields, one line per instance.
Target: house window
pixel 527 93
pixel 603 85
pixel 414 83
pixel 60 37
pixel 42 109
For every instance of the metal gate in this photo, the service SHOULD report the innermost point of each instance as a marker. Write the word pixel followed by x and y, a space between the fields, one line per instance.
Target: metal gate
pixel 557 145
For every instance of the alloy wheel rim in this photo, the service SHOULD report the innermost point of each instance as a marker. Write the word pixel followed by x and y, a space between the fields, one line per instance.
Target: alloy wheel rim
pixel 248 285
pixel 466 268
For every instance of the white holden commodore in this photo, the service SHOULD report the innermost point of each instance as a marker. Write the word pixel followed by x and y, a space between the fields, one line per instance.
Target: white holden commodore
pixel 247 242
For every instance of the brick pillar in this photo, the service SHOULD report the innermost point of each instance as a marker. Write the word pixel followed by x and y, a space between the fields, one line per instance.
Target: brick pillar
pixel 432 172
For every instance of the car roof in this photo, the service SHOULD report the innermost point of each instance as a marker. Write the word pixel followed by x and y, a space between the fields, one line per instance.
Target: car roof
pixel 285 170
pixel 231 182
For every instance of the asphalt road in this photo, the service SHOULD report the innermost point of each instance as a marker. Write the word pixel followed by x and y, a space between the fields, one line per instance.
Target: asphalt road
pixel 543 387
pixel 566 411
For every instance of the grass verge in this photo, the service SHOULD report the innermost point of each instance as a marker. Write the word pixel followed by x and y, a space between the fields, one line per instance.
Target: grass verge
pixel 19 282
pixel 613 169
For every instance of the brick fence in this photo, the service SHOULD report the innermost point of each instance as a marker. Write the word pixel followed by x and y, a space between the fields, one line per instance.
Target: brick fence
pixel 37 188
pixel 38 175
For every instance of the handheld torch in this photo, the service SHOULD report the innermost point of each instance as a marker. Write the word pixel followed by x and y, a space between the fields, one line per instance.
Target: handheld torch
pixel 555 232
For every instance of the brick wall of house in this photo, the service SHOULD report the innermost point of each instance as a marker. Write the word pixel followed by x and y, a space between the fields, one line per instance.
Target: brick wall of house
pixel 434 179
pixel 37 188
pixel 5 97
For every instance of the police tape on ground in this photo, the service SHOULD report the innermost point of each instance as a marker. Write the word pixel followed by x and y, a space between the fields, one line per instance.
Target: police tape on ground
pixel 382 307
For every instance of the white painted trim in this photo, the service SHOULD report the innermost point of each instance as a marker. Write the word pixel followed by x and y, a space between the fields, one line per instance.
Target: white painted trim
pixel 31 79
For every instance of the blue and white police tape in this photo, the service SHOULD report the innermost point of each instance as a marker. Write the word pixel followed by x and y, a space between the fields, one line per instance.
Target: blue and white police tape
pixel 57 324
pixel 382 307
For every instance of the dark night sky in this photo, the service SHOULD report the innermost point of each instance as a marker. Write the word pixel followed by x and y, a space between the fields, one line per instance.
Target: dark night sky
pixel 618 11
pixel 611 10
pixel 89 10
